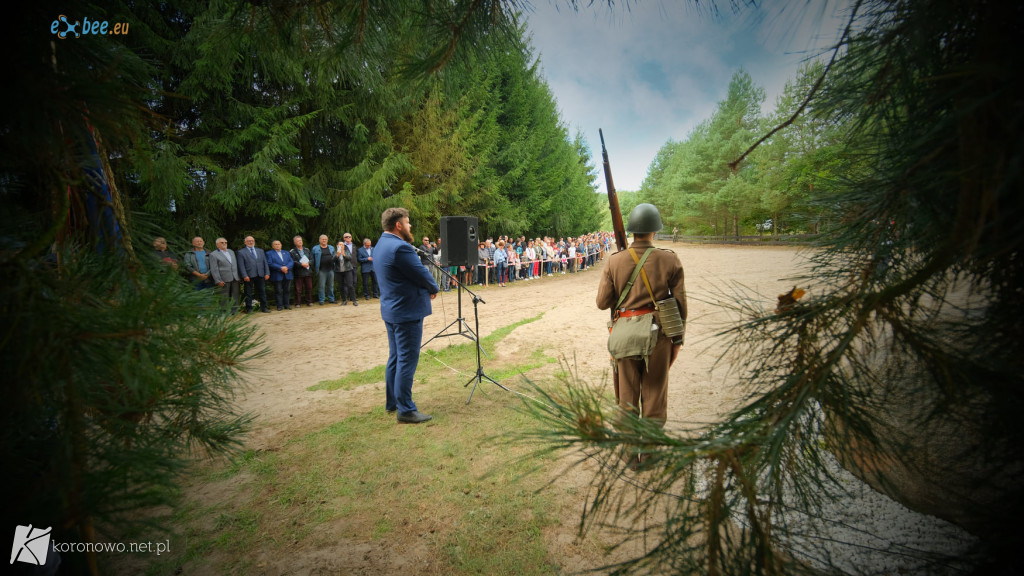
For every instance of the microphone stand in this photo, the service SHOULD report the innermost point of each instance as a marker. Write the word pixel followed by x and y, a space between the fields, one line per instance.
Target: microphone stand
pixel 460 321
pixel 479 376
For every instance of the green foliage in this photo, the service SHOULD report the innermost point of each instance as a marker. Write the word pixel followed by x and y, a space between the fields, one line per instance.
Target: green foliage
pixel 692 180
pixel 114 382
pixel 903 364
pixel 786 184
pixel 310 118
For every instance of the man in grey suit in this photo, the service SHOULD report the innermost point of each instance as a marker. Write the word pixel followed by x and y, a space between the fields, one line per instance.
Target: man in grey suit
pixel 254 270
pixel 224 270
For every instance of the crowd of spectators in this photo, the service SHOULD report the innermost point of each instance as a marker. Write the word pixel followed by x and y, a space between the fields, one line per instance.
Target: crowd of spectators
pixel 508 260
pixel 241 276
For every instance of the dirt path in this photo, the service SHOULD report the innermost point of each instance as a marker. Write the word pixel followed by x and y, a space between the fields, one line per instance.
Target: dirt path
pixel 324 342
pixel 309 345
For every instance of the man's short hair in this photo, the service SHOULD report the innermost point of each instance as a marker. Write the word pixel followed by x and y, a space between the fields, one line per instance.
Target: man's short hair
pixel 391 216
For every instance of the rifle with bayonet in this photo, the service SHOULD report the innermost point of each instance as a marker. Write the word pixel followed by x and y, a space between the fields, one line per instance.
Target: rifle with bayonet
pixel 613 199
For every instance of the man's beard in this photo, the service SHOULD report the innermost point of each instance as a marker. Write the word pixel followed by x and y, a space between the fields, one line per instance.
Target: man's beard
pixel 406 235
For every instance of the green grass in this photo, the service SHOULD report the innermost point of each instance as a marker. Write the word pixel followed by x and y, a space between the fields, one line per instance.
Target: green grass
pixel 351 380
pixel 365 478
pixel 433 363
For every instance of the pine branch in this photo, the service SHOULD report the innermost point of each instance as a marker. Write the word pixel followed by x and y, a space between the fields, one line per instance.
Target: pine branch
pixel 734 165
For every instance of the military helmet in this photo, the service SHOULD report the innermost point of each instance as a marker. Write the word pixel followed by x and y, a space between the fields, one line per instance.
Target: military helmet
pixel 644 219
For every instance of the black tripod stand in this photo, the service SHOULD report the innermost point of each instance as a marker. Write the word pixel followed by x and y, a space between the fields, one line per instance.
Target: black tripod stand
pixel 479 367
pixel 463 326
pixel 479 375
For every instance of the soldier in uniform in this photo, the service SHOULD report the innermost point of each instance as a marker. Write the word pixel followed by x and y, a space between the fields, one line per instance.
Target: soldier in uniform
pixel 642 384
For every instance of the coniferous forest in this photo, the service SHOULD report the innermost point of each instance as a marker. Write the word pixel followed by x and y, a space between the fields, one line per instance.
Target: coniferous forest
pixel 237 118
pixel 900 150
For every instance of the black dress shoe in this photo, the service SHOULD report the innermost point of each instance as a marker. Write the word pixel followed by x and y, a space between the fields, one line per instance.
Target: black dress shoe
pixel 413 417
pixel 354 303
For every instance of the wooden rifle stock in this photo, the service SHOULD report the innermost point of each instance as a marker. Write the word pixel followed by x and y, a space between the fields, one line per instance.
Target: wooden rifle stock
pixel 613 199
pixel 620 237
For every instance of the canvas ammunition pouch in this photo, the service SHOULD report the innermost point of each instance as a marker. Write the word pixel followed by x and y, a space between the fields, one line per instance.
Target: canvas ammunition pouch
pixel 672 323
pixel 632 333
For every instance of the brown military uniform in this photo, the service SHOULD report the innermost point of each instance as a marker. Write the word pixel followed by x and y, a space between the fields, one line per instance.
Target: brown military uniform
pixel 643 386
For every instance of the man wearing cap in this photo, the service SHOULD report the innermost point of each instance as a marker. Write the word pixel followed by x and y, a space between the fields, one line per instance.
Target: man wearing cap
pixel 642 384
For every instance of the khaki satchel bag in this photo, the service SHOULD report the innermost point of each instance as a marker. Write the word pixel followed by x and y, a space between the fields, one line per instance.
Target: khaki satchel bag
pixel 635 335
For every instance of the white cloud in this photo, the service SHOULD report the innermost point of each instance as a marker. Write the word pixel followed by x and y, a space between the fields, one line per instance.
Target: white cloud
pixel 595 62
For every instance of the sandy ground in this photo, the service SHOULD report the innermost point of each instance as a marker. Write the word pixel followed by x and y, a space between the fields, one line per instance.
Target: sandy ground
pixel 306 345
pixel 309 345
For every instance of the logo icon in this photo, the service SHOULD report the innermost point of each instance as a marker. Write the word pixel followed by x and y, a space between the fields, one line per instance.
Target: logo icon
pixel 71 28
pixel 63 28
pixel 30 545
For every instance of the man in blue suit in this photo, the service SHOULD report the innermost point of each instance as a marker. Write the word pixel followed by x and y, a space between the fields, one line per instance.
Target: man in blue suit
pixel 365 256
pixel 406 289
pixel 281 264
pixel 254 270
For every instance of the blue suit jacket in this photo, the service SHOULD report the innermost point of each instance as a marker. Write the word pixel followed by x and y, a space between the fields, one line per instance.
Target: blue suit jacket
pixel 252 267
pixel 405 283
pixel 364 259
pixel 275 264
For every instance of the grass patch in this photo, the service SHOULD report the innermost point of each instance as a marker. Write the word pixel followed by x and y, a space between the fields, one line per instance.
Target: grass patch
pixel 365 478
pixel 351 380
pixel 434 363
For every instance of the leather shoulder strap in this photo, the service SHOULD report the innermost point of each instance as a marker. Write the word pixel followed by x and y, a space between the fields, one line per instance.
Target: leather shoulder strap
pixel 636 271
pixel 647 283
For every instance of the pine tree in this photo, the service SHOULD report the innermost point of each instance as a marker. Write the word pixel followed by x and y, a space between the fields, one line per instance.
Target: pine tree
pixel 904 362
pixel 113 382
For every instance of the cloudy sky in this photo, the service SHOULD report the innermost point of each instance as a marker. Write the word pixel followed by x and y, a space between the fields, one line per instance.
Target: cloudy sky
pixel 646 71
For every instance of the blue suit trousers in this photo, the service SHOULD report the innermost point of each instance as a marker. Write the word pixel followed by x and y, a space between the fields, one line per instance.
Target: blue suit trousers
pixel 404 339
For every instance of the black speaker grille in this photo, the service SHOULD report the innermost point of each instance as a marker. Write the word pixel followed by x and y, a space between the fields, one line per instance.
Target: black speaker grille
pixel 459 240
